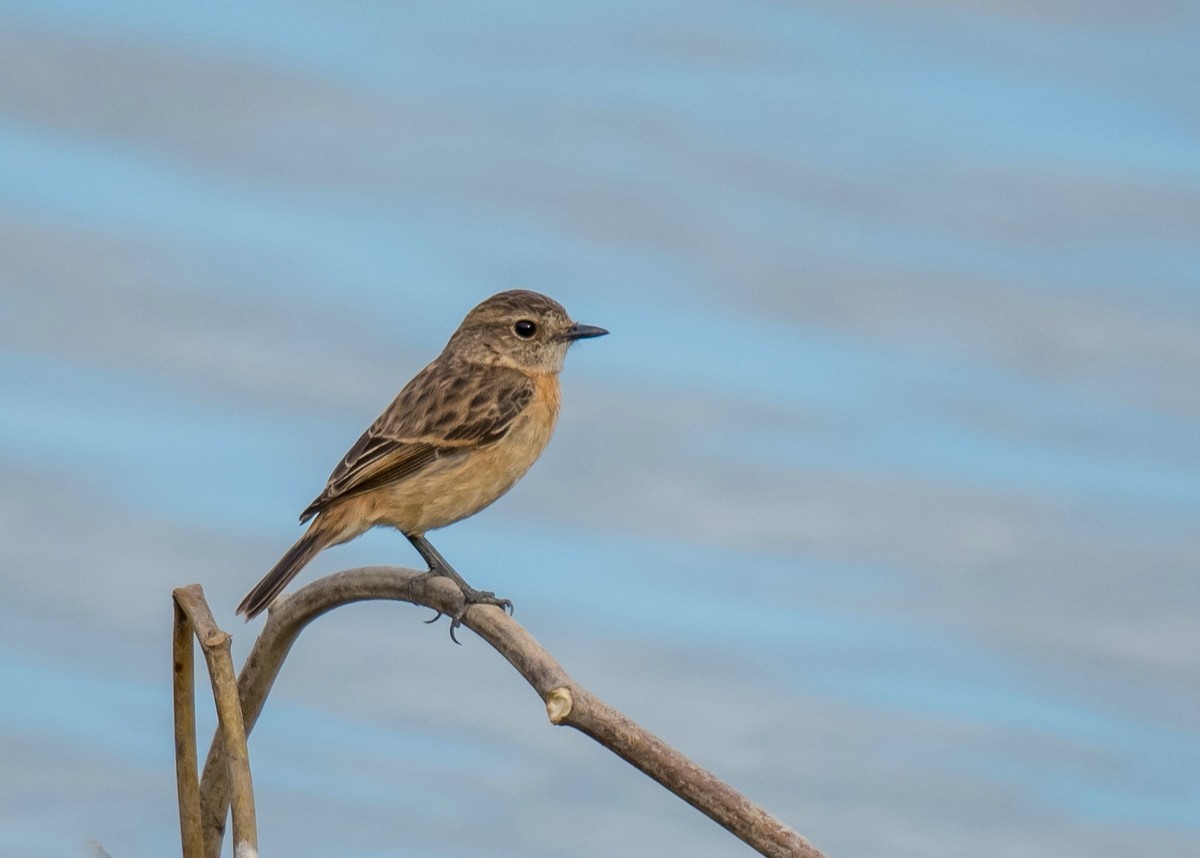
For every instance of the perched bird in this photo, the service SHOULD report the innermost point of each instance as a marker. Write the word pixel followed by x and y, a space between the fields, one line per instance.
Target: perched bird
pixel 456 438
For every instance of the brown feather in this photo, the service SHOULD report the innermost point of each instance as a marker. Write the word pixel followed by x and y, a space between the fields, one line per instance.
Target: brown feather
pixel 432 418
pixel 456 438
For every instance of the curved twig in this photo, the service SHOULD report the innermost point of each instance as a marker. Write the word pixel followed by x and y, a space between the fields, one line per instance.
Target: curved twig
pixel 566 702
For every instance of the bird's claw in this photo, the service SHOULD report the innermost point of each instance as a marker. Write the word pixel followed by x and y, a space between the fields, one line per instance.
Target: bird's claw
pixel 455 622
pixel 473 597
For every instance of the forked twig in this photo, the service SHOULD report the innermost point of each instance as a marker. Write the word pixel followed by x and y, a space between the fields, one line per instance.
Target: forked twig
pixel 193 615
pixel 566 703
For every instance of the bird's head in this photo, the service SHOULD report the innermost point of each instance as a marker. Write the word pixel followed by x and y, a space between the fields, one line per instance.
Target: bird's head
pixel 520 329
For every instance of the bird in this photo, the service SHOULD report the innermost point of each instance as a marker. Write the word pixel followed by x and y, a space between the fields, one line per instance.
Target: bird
pixel 457 437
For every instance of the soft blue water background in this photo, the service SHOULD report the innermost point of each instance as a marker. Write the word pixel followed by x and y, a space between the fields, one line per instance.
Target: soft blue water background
pixel 881 501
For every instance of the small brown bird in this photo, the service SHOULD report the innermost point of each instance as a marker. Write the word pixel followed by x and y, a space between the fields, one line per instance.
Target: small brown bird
pixel 456 438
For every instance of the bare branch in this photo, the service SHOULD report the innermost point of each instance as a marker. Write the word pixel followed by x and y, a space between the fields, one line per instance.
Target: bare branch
pixel 216 646
pixel 566 703
pixel 187 773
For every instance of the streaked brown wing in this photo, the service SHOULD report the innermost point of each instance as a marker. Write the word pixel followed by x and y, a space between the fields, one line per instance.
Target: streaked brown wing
pixel 386 461
pixel 435 416
pixel 488 416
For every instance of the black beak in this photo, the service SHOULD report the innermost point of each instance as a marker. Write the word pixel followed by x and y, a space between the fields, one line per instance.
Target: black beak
pixel 583 332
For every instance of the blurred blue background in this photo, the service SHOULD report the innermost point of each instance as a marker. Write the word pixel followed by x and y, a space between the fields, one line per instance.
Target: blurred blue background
pixel 881 501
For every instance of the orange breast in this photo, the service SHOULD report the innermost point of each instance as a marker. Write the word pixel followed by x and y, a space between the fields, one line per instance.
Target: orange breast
pixel 460 487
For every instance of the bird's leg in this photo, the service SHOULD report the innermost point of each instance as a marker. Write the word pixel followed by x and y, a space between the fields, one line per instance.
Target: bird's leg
pixel 471 596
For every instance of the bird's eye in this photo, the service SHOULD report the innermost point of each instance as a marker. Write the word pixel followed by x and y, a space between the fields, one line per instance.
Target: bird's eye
pixel 525 329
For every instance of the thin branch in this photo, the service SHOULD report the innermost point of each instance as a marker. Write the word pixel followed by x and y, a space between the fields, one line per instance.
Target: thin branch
pixel 187 773
pixel 566 703
pixel 216 646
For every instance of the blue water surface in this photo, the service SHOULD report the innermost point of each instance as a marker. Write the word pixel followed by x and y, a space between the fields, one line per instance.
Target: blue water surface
pixel 880 501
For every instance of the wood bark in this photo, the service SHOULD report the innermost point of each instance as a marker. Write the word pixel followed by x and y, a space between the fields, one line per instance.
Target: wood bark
pixel 567 703
pixel 192 615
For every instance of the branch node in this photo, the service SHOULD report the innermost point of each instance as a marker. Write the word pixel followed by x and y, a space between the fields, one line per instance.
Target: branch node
pixel 559 703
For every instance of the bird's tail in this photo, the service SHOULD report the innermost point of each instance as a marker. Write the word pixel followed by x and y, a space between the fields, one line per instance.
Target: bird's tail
pixel 289 565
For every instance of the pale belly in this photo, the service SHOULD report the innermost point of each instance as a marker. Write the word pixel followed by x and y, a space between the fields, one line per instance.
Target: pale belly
pixel 460 486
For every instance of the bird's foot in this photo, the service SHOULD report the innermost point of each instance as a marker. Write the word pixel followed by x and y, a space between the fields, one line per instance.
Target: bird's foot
pixel 471 596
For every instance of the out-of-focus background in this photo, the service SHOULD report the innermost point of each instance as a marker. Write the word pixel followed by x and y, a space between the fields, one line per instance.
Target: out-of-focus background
pixel 881 501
